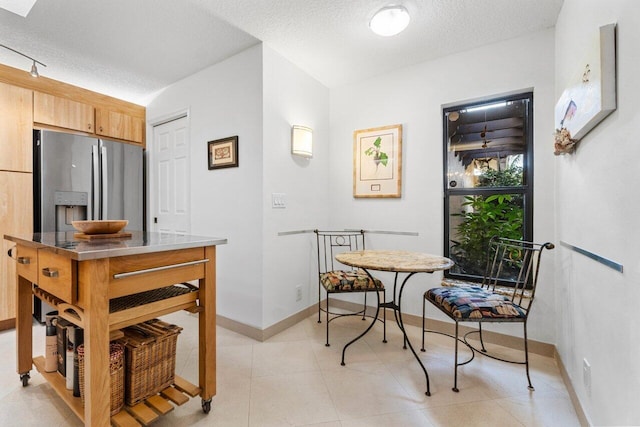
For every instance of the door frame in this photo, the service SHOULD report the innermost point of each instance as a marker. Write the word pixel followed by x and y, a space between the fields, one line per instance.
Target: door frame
pixel 150 153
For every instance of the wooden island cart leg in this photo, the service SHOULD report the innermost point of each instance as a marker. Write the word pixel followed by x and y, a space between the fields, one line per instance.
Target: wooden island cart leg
pixel 207 331
pixel 24 332
pixel 97 407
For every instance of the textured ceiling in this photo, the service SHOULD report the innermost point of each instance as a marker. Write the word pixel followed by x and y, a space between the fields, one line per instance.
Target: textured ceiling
pixel 133 48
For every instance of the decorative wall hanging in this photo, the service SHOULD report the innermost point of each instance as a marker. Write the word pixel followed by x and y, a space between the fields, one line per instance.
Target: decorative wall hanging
pixel 377 162
pixel 223 153
pixel 591 94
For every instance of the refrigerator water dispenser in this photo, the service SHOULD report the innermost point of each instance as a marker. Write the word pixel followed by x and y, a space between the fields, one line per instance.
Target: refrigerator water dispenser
pixel 70 206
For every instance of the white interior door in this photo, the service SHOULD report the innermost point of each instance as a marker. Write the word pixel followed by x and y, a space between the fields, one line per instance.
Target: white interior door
pixel 171 196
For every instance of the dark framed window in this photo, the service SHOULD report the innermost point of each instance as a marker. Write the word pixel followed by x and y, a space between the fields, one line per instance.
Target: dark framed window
pixel 488 179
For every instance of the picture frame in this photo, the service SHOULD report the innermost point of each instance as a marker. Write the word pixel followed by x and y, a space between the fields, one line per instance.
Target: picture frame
pixel 377 162
pixel 223 153
pixel 590 95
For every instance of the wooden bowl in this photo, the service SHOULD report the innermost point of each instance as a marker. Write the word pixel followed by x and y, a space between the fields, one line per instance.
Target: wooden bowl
pixel 100 226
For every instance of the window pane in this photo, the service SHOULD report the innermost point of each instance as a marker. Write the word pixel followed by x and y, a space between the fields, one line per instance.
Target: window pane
pixel 486 145
pixel 474 220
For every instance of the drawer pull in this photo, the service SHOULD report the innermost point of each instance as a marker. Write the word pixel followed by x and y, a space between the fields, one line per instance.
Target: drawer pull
pixel 50 272
pixel 164 267
pixel 24 260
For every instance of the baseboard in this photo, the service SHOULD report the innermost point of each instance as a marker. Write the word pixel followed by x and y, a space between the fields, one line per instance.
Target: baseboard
pixel 7 324
pixel 264 334
pixel 582 417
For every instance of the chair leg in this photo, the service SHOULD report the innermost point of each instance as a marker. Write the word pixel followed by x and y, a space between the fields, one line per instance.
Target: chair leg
pixel 455 369
pixel 526 357
pixel 327 320
pixel 364 308
pixel 384 319
pixel 423 315
pixel 484 350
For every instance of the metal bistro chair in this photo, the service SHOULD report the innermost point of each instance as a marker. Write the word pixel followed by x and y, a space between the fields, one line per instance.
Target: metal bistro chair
pixel 515 262
pixel 336 278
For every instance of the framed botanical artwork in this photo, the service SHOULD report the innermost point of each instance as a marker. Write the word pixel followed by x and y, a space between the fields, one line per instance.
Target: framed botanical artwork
pixel 223 153
pixel 377 162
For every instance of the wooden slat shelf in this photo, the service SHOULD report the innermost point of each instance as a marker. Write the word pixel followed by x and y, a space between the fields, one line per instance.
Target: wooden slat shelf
pixel 123 318
pixel 142 414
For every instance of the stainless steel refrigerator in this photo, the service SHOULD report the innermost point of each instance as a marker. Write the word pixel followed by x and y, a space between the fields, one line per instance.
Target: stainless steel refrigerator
pixel 78 177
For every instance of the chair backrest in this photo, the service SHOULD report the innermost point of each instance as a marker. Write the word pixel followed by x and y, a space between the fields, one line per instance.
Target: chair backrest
pixel 331 243
pixel 514 263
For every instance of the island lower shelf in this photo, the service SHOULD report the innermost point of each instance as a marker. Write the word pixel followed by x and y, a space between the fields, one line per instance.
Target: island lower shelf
pixel 127 316
pixel 142 414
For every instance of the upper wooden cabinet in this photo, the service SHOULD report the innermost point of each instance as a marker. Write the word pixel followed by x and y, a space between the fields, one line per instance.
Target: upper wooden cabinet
pixel 53 104
pixel 62 112
pixel 118 124
pixel 16 121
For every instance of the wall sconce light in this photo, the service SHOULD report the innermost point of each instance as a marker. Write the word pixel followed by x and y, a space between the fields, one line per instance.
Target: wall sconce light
pixel 302 141
pixel 34 69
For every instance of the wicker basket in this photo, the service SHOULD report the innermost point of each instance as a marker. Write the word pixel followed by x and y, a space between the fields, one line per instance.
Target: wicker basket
pixel 116 369
pixel 150 349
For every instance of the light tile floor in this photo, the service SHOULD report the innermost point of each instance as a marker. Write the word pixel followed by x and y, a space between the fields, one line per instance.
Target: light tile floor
pixel 292 379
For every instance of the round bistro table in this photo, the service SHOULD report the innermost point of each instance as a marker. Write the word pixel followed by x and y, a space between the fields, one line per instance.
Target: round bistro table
pixel 397 262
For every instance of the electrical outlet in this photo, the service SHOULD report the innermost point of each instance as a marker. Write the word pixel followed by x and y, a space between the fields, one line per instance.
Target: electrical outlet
pixel 586 376
pixel 299 293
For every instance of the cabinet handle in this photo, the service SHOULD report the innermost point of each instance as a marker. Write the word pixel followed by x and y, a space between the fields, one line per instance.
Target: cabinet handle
pixel 100 128
pixel 50 272
pixel 9 254
pixel 89 126
pixel 24 260
pixel 161 268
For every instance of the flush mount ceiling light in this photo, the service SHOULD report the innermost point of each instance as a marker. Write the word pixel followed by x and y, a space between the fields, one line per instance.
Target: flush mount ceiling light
pixel 389 21
pixel 34 69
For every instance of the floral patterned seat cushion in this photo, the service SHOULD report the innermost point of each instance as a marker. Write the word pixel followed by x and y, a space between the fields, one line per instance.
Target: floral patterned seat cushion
pixel 473 302
pixel 349 281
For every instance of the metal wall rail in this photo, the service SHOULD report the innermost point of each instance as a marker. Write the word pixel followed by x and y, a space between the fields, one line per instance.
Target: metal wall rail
pixel 398 233
pixel 611 264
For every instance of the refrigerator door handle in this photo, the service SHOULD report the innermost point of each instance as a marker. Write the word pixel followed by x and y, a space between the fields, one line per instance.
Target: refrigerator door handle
pixel 95 187
pixel 105 184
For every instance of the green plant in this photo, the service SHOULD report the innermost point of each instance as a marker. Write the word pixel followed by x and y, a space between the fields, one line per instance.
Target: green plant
pixel 508 177
pixel 378 156
pixel 484 217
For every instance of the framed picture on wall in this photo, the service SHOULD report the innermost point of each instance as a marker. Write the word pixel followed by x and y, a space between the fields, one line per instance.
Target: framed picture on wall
pixel 377 162
pixel 590 95
pixel 223 153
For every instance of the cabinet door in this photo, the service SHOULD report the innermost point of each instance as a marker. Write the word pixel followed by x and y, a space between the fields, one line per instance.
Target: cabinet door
pixel 16 124
pixel 116 124
pixel 16 217
pixel 61 112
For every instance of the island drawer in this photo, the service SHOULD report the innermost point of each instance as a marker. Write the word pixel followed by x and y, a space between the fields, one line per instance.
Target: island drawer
pixel 56 275
pixel 27 260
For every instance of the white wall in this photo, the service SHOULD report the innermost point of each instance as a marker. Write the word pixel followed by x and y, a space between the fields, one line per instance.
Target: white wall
pixel 226 100
pixel 596 210
pixel 256 95
pixel 414 97
pixel 292 97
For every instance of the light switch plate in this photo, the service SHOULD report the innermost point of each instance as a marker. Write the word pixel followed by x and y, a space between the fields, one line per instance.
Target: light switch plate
pixel 278 200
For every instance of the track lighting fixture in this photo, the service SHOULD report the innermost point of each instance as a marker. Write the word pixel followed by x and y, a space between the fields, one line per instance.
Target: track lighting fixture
pixel 34 68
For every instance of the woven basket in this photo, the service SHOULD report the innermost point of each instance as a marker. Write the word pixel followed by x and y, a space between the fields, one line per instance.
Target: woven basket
pixel 116 369
pixel 150 349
